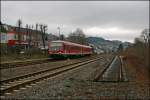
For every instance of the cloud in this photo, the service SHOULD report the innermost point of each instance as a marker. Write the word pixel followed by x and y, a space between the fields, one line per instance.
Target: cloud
pixel 115 19
pixel 112 33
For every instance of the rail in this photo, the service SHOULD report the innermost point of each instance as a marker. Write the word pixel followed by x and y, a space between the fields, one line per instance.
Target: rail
pixel 113 72
pixel 16 83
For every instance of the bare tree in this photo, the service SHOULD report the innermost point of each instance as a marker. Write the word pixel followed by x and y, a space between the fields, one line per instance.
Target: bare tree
pixel 62 37
pixel 120 48
pixel 141 47
pixel 138 40
pixel 43 30
pixel 145 35
pixel 36 26
pixel 77 36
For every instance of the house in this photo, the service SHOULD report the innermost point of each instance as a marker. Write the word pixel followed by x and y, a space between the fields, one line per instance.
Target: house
pixel 25 38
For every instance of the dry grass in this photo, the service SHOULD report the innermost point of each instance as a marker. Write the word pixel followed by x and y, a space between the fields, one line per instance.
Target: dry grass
pixel 137 57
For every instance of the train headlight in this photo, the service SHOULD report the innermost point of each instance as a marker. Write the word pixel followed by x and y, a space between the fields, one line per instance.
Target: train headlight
pixel 50 52
pixel 59 52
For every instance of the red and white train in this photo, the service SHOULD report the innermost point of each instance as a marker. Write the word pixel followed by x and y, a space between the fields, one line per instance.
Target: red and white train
pixel 65 49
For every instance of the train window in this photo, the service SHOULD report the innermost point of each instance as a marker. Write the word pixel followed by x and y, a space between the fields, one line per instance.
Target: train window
pixel 55 46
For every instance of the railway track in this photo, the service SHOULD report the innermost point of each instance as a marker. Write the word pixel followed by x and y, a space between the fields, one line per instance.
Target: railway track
pixel 113 72
pixel 8 65
pixel 10 85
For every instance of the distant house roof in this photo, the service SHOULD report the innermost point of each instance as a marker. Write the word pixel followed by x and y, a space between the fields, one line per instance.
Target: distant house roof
pixel 22 30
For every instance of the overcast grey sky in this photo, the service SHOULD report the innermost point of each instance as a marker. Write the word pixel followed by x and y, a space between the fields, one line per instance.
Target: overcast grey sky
pixel 112 20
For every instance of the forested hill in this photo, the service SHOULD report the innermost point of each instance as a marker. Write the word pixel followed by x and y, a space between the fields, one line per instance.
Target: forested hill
pixel 106 45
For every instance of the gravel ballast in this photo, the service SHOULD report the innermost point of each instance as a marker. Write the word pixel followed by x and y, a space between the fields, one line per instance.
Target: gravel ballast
pixel 19 71
pixel 77 84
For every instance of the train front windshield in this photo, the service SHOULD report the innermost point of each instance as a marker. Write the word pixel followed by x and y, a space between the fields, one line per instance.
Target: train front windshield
pixel 54 46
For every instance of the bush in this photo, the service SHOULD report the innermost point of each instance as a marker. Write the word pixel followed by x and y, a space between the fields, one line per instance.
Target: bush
pixel 3 48
pixel 139 51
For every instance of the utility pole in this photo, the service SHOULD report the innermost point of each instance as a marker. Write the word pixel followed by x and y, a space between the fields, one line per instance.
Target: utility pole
pixel 29 36
pixel 19 35
pixel 36 33
pixel 27 30
pixel 32 35
pixel 58 32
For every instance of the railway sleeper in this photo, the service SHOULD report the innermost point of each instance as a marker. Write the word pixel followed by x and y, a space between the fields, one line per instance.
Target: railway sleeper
pixel 39 78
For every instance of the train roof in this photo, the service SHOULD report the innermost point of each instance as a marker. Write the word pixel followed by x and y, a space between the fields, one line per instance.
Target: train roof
pixel 71 43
